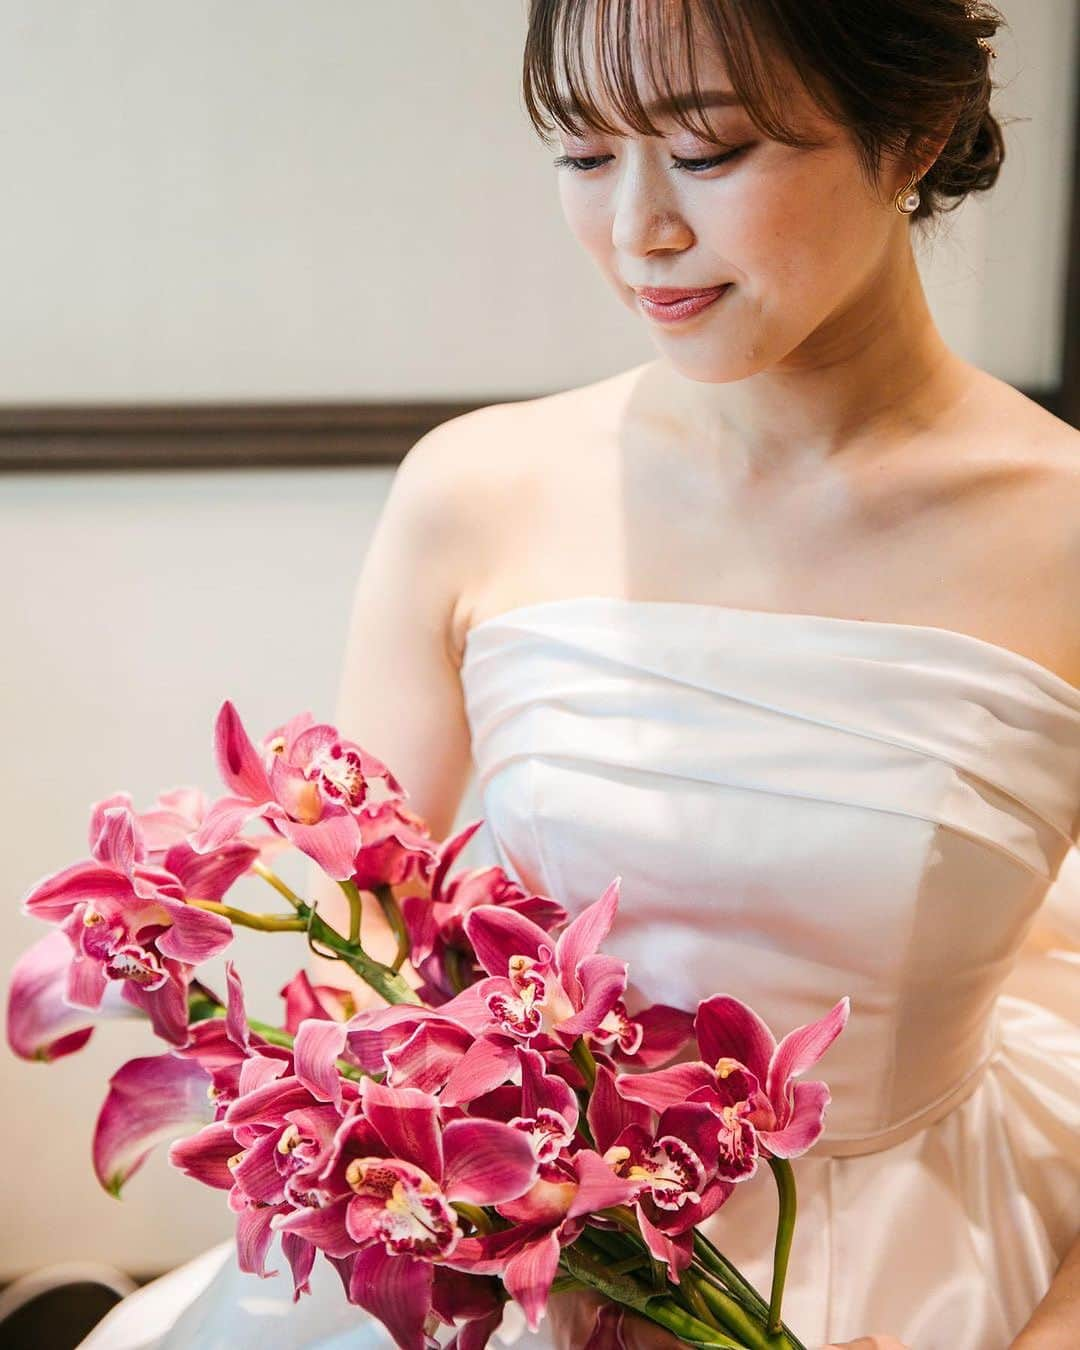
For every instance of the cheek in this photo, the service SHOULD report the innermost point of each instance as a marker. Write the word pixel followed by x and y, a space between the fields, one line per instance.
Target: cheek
pixel 586 218
pixel 801 242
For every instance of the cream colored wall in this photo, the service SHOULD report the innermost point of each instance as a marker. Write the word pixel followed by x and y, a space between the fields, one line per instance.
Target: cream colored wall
pixel 272 201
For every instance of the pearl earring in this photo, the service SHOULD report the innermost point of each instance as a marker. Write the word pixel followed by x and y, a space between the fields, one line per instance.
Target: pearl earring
pixel 907 199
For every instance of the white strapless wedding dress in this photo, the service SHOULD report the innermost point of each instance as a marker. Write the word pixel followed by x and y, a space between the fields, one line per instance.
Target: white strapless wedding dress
pixel 800 807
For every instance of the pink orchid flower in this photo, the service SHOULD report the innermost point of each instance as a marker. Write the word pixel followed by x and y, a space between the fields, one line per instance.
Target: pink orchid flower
pixel 746 1078
pixel 440 950
pixel 646 1038
pixel 395 1171
pixel 548 1217
pixel 41 1024
pixel 542 1105
pixel 307 782
pixel 674 1158
pixel 397 845
pixel 127 919
pixel 540 987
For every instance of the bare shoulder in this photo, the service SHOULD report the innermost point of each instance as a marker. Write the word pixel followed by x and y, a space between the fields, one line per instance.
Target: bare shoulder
pixel 477 479
pixel 1043 452
pixel 474 457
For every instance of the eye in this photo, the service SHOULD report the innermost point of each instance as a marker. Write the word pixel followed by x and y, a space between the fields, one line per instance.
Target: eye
pixel 587 163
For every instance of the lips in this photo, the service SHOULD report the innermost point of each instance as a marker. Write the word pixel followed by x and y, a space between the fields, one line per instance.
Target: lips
pixel 667 295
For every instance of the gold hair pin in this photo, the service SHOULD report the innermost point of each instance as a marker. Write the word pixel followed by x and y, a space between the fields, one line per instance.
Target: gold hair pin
pixel 971 11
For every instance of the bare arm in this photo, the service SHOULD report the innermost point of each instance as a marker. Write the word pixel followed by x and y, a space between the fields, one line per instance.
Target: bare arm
pixel 399 692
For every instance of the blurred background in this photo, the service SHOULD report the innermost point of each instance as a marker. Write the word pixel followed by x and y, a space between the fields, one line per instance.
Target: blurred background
pixel 251 252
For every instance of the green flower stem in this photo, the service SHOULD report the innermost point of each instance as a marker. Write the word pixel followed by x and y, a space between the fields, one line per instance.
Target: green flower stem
pixel 562 1283
pixel 731 1314
pixel 749 1322
pixel 356 910
pixel 784 1339
pixel 265 923
pixel 475 1215
pixel 391 985
pixel 384 979
pixel 785 1229
pixel 392 910
pixel 718 1265
pixel 696 1300
pixel 583 1058
pixel 661 1309
pixel 260 869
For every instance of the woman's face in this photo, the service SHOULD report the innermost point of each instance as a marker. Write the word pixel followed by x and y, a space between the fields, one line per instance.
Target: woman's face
pixel 801 236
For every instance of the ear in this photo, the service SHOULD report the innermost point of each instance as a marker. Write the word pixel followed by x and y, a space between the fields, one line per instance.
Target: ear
pixel 921 154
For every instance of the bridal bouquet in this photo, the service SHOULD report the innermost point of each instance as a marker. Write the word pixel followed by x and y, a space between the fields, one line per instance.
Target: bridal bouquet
pixel 499 1126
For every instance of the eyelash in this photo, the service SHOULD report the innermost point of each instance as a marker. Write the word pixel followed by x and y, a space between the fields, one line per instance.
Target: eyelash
pixel 578 163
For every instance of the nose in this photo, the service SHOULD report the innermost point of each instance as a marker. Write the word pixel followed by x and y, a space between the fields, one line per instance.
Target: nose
pixel 646 214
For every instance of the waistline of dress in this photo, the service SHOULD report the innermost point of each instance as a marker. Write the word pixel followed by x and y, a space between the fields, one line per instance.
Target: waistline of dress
pixel 849 1146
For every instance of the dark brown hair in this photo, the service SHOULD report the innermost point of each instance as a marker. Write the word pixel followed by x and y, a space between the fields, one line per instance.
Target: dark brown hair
pixel 897 74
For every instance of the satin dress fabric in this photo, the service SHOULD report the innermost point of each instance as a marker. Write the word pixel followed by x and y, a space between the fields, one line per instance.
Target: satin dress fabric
pixel 798 807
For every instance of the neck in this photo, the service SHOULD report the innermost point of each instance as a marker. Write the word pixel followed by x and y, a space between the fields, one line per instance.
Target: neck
pixel 873 375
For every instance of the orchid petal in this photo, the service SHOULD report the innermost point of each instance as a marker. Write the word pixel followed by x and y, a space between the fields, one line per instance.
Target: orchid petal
pixel 41 1024
pixel 267 1104
pixel 195 934
pixel 208 876
pixel 333 842
pixel 56 895
pixel 529 1275
pixel 486 1162
pixel 676 1254
pixel 239 763
pixel 119 845
pixel 805 1124
pixel 599 1186
pixel 149 1100
pixel 325 1227
pixel 602 982
pixel 541 1090
pixel 802 1047
pixel 665 1087
pixel 610 1111
pixel 300 1255
pixel 727 1028
pixel 205 1155
pixel 396 1290
pixel 497 934
pixel 427 1059
pixel 489 1061
pixel 666 1030
pixel 223 822
pixel 253 1238
pixel 583 936
pixel 407 1121
pixel 316 1048
pixel 166 1006
pixel 257 1173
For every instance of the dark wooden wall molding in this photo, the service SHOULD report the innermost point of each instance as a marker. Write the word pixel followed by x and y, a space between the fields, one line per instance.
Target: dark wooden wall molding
pixel 1069 408
pixel 243 436
pixel 217 435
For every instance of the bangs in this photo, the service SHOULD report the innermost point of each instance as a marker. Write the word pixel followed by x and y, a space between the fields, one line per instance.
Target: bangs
pixel 561 91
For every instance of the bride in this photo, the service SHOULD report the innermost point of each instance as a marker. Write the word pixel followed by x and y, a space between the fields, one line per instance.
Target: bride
pixel 779 626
